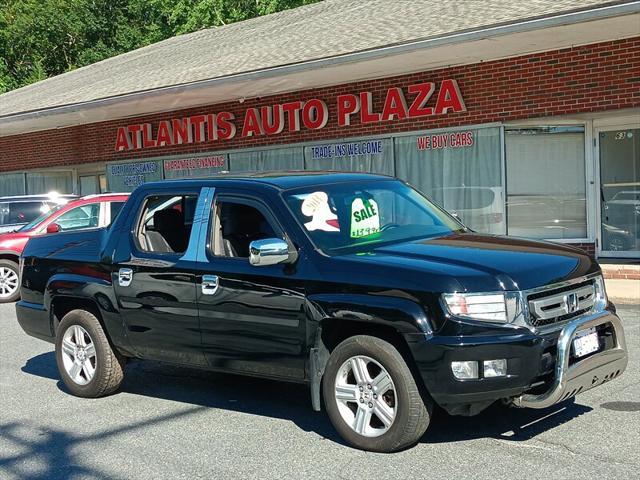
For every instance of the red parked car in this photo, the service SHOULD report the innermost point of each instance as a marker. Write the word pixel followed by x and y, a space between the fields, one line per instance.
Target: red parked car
pixel 92 211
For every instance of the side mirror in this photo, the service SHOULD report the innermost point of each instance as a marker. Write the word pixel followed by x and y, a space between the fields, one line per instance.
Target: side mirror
pixel 269 251
pixel 53 228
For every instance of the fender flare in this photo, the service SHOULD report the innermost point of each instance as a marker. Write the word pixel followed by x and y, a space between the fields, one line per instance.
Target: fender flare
pixel 402 314
pixel 81 287
pixel 71 285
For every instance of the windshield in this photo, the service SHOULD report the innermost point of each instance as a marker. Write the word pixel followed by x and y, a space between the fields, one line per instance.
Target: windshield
pixel 355 216
pixel 37 221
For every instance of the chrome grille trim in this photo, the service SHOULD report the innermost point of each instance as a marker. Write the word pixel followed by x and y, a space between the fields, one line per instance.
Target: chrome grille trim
pixel 528 317
pixel 562 303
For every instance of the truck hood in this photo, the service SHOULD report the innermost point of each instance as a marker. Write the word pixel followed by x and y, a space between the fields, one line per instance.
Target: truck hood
pixel 474 262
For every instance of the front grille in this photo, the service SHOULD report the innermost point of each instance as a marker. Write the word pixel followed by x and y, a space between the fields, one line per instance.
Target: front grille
pixel 560 304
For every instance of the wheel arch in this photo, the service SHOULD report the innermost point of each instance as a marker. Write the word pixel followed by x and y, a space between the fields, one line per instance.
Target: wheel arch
pixel 332 331
pixel 60 305
pixel 9 255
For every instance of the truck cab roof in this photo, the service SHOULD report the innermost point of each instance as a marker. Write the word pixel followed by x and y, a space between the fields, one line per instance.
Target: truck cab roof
pixel 284 180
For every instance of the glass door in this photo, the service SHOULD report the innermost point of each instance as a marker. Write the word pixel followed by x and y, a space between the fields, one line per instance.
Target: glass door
pixel 620 192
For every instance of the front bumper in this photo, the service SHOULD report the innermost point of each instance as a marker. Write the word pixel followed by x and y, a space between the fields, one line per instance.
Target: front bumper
pixel 540 368
pixel 570 379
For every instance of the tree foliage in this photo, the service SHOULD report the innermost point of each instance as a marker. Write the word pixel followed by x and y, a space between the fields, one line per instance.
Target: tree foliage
pixel 43 38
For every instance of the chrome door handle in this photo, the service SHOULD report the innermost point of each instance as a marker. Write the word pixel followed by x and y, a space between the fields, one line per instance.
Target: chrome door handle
pixel 125 277
pixel 210 284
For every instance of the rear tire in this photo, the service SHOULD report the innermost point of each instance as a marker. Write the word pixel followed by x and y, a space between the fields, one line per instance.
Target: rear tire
pixel 9 281
pixel 89 366
pixel 367 415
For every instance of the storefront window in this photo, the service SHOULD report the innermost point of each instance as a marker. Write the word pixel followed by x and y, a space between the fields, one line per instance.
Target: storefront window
pixel 274 159
pixel 46 182
pixel 87 184
pixel 373 156
pixel 620 192
pixel 102 180
pixel 546 191
pixel 12 184
pixel 460 170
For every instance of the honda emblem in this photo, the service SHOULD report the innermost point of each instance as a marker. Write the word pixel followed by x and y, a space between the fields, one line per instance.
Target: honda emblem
pixel 571 301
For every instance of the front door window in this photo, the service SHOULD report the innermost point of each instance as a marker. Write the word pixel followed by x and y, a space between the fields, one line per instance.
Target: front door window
pixel 620 192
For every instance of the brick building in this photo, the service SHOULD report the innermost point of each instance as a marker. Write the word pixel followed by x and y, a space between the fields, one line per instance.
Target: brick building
pixel 523 118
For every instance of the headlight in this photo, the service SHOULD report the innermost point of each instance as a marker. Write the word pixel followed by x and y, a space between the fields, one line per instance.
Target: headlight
pixel 499 307
pixel 601 294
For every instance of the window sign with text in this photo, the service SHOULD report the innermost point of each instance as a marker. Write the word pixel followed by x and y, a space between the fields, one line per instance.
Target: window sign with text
pixel 195 167
pixel 125 177
pixel 373 155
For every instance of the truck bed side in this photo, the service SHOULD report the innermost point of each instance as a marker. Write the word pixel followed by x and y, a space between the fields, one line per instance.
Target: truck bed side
pixel 70 265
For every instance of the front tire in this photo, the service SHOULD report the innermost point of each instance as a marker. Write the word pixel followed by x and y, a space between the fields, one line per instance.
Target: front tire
pixel 371 396
pixel 9 281
pixel 87 363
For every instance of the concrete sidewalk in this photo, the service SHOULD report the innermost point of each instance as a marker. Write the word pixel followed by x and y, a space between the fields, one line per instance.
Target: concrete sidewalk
pixel 623 291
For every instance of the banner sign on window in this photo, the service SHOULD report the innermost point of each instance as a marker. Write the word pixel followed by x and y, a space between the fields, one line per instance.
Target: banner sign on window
pixel 414 101
pixel 195 166
pixel 437 141
pixel 351 149
pixel 125 177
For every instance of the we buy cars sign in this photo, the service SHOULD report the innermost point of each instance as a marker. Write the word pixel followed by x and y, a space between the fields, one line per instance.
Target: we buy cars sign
pixel 420 100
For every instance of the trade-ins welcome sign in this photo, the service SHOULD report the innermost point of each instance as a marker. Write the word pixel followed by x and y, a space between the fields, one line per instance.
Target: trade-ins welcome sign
pixel 312 114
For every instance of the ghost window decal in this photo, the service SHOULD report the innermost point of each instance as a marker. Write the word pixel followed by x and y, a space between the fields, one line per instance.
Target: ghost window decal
pixel 316 205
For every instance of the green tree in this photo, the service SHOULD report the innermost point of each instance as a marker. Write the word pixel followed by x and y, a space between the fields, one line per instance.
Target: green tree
pixel 43 38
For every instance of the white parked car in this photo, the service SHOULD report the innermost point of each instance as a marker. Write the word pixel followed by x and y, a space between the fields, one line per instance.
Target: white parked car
pixel 480 208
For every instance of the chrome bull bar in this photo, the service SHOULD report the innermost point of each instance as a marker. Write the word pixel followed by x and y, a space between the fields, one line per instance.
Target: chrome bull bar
pixel 582 375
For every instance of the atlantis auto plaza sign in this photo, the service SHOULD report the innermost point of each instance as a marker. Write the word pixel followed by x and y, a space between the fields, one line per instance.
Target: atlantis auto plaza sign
pixel 420 100
pixel 414 101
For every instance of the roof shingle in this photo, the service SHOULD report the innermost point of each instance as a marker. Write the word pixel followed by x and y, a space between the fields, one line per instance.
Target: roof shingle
pixel 325 29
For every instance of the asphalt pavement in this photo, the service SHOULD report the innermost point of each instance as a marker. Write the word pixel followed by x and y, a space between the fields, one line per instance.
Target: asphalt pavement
pixel 173 423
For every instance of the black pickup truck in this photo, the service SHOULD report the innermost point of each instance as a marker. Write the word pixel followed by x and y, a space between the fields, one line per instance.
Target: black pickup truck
pixel 354 284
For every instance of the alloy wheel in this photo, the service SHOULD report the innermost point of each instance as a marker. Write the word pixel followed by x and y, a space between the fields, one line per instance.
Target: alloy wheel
pixel 366 396
pixel 78 355
pixel 8 282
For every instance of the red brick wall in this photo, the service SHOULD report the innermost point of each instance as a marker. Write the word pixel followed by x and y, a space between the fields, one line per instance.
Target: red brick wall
pixel 604 76
pixel 622 272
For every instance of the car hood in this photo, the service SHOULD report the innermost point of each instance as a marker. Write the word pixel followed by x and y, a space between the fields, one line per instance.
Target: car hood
pixel 474 262
pixel 14 241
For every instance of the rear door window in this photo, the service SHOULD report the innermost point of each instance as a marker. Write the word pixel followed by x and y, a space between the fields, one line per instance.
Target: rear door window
pixel 165 223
